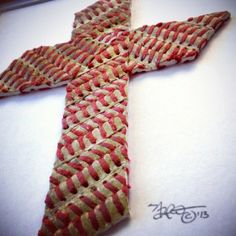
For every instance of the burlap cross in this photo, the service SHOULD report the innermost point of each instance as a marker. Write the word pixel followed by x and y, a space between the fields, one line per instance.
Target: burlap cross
pixel 89 182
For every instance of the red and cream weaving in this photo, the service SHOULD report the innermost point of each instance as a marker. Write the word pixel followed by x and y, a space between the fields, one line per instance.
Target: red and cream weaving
pixel 89 182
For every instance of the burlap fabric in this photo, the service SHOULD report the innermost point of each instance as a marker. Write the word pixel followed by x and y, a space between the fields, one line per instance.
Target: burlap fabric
pixel 89 182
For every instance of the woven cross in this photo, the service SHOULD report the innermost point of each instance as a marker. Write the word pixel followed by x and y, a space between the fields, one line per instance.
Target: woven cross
pixel 89 182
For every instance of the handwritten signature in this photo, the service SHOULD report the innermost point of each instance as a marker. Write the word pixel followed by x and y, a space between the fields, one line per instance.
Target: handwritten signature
pixel 187 214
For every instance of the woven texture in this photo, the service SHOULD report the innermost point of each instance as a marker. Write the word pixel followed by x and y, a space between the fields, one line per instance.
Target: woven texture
pixel 89 182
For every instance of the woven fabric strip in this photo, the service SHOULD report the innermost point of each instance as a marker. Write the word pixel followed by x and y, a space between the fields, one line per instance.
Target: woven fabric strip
pixel 89 182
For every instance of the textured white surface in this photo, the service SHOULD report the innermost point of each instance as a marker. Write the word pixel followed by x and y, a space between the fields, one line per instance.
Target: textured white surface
pixel 182 126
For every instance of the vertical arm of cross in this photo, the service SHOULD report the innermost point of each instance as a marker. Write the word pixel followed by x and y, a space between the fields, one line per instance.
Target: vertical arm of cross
pixel 89 182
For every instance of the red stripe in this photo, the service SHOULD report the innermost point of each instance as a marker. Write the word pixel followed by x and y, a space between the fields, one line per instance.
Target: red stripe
pixel 76 71
pixel 24 56
pixel 67 139
pixel 59 194
pixel 199 19
pixel 217 24
pixel 96 82
pixel 93 173
pixel 124 152
pixel 116 49
pixel 167 47
pixel 192 53
pixel 125 190
pixel 105 212
pixel 174 53
pixel 120 109
pixel 64 172
pixel 153 43
pixel 108 146
pixel 78 224
pixel 202 32
pixel 112 123
pixel 76 166
pixel 86 159
pixel 94 106
pixel 48 52
pixel 106 54
pixel 72 119
pixel 70 149
pixel 110 187
pixel 115 72
pixel 63 217
pixel 82 59
pixel 202 43
pixel 85 112
pixel 192 29
pixel 104 165
pixel 137 51
pixel 88 202
pixel 146 40
pixel 144 53
pixel 123 119
pixel 97 152
pixel 93 220
pixel 99 195
pixel 87 127
pixel 59 154
pixel 53 180
pixel 115 159
pixel 120 178
pixel 184 37
pixel 110 89
pixel 120 208
pixel 98 58
pixel 103 101
pixel 151 55
pixel 75 209
pixel 70 185
pixel 17 67
pixel 49 202
pixel 70 67
pixel 49 225
pixel 91 138
pixel 70 51
pixel 81 142
pixel 119 140
pixel 108 114
pixel 24 70
pixel 175 36
pixel 190 19
pixel 82 179
pixel 151 28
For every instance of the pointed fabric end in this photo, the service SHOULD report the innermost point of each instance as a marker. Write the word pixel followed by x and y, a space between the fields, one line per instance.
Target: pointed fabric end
pixel 209 23
pixel 166 44
pixel 37 69
pixel 213 20
pixel 103 16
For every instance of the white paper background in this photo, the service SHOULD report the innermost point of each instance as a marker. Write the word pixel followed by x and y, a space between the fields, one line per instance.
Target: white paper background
pixel 182 126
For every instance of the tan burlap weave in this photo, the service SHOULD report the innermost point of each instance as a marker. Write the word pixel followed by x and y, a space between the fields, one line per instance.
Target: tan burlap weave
pixel 89 182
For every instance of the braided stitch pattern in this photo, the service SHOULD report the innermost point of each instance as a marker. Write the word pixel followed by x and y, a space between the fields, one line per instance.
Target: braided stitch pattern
pixel 89 182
